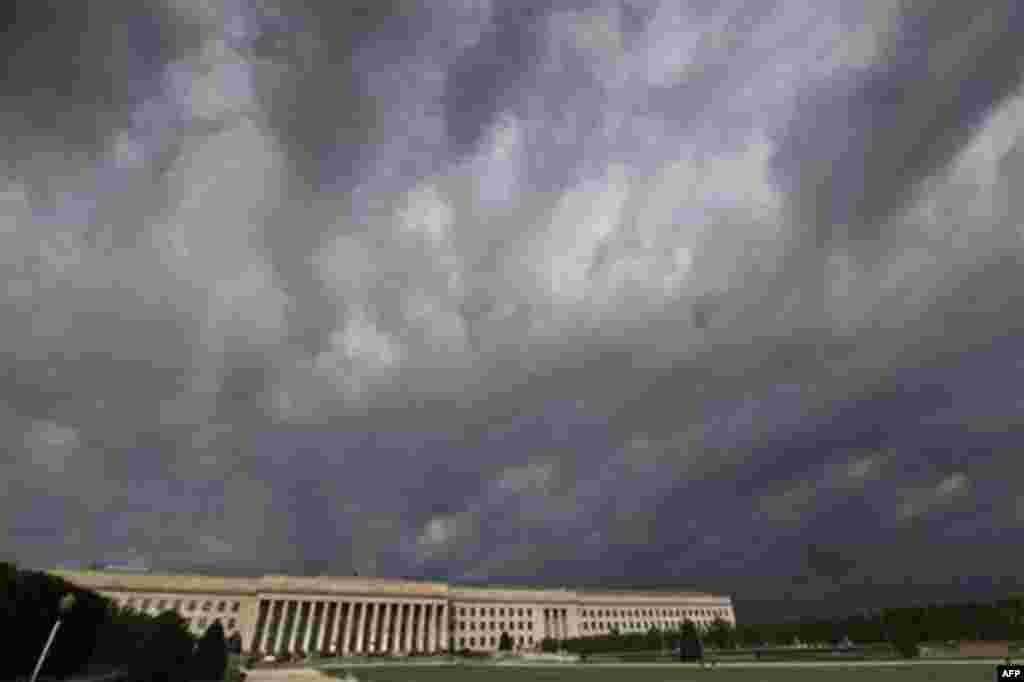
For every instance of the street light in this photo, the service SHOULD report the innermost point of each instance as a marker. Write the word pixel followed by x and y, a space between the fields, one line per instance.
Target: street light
pixel 66 603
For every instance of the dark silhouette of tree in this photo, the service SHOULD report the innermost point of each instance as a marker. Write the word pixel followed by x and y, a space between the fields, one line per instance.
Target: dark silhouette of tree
pixel 164 650
pixel 29 608
pixel 210 661
pixel 721 634
pixel 505 643
pixel 690 648
pixel 234 643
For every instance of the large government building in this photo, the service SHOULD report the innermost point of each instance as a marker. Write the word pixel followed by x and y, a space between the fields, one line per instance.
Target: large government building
pixel 275 614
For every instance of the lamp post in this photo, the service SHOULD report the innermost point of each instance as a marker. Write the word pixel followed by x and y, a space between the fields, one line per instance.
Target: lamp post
pixel 66 603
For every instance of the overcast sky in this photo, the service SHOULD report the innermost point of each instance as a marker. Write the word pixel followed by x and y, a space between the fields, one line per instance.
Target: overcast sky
pixel 717 295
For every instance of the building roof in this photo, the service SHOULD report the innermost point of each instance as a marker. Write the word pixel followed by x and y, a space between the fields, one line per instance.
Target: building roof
pixel 323 585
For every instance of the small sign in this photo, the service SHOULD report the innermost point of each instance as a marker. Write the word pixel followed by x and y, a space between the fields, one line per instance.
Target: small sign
pixel 1009 672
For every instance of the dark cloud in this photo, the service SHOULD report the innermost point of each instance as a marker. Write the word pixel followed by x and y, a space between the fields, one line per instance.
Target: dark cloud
pixel 903 119
pixel 608 293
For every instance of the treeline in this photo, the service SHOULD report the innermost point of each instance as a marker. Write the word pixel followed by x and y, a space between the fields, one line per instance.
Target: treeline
pixel 999 621
pixel 719 634
pixel 94 634
pixel 902 628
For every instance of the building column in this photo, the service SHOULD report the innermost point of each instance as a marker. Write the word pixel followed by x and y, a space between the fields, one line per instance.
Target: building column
pixel 441 629
pixel 262 618
pixel 374 644
pixel 410 619
pixel 358 647
pixel 293 637
pixel 400 627
pixel 375 628
pixel 314 611
pixel 349 610
pixel 269 631
pixel 388 644
pixel 279 639
pixel 427 630
pixel 296 624
pixel 325 622
pixel 382 640
pixel 421 635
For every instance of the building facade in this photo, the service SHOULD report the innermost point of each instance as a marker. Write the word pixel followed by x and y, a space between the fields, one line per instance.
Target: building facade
pixel 276 614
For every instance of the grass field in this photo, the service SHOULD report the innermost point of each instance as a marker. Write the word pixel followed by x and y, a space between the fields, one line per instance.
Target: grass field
pixel 915 673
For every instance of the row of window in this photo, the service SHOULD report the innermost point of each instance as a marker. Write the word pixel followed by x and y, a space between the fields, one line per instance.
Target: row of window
pixel 498 627
pixel 493 641
pixel 631 625
pixel 635 613
pixel 600 613
pixel 491 612
pixel 162 604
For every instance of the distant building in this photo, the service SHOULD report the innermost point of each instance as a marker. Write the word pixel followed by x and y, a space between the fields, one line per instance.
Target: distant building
pixel 352 615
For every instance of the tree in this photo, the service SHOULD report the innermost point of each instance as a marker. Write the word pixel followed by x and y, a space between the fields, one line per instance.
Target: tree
pixel 652 640
pixel 690 647
pixel 549 645
pixel 505 643
pixel 164 651
pixel 234 643
pixel 210 661
pixel 29 607
pixel 721 634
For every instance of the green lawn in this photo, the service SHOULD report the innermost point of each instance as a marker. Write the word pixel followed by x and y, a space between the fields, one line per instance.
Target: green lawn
pixel 916 673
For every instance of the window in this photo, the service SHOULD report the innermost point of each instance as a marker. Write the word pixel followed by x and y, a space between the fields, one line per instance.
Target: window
pixel 529 612
pixel 207 605
pixel 472 612
pixel 493 641
pixel 231 623
pixel 177 605
pixel 202 622
pixel 462 625
pixel 501 626
pixel 501 612
pixel 162 604
pixel 221 606
pixel 235 607
pixel 472 641
pixel 462 611
pixel 472 625
pixel 131 602
pixel 492 611
pixel 520 612
pixel 531 639
pixel 191 606
pixel 145 603
pixel 188 622
pixel 462 641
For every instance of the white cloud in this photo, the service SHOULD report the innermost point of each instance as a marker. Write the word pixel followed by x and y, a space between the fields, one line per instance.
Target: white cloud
pixel 442 534
pixel 360 354
pixel 427 213
pixel 585 217
pixel 445 329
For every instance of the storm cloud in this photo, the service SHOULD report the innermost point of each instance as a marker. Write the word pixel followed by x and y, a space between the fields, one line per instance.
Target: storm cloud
pixel 721 296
